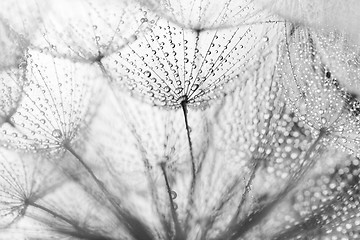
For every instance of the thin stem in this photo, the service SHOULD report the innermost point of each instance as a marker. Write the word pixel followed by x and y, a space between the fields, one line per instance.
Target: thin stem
pixel 247 186
pixel 88 169
pixel 185 111
pixel 178 231
pixel 81 233
pixel 135 227
pixel 193 180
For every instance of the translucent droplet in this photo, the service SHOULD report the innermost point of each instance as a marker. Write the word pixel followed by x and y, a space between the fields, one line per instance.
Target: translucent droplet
pixel 143 20
pixel 173 194
pixel 166 89
pixel 57 133
pixel 147 73
pixel 194 87
pixel 132 38
pixel 323 120
pixel 178 90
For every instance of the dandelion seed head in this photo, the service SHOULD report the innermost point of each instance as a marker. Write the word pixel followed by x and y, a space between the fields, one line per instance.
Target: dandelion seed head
pixel 171 63
pixel 54 103
pixel 316 100
pixel 23 179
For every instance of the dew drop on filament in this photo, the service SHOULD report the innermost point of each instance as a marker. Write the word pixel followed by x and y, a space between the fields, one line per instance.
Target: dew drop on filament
pixel 194 87
pixel 166 89
pixel 57 133
pixel 147 74
pixel 173 194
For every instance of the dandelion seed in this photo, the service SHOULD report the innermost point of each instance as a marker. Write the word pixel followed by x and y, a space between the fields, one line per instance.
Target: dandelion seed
pixel 59 101
pixel 170 65
pixel 187 67
pixel 54 104
pixel 254 133
pixel 151 138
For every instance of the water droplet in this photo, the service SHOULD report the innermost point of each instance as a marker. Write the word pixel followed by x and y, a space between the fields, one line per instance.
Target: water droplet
pixel 323 120
pixel 194 87
pixel 132 38
pixel 143 20
pixel 173 194
pixel 147 74
pixel 328 74
pixel 166 89
pixel 57 133
pixel 178 90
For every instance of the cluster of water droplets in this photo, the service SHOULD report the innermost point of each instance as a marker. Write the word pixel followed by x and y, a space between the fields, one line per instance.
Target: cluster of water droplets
pixel 327 205
pixel 23 179
pixel 285 94
pixel 169 65
pixel 54 104
pixel 315 90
